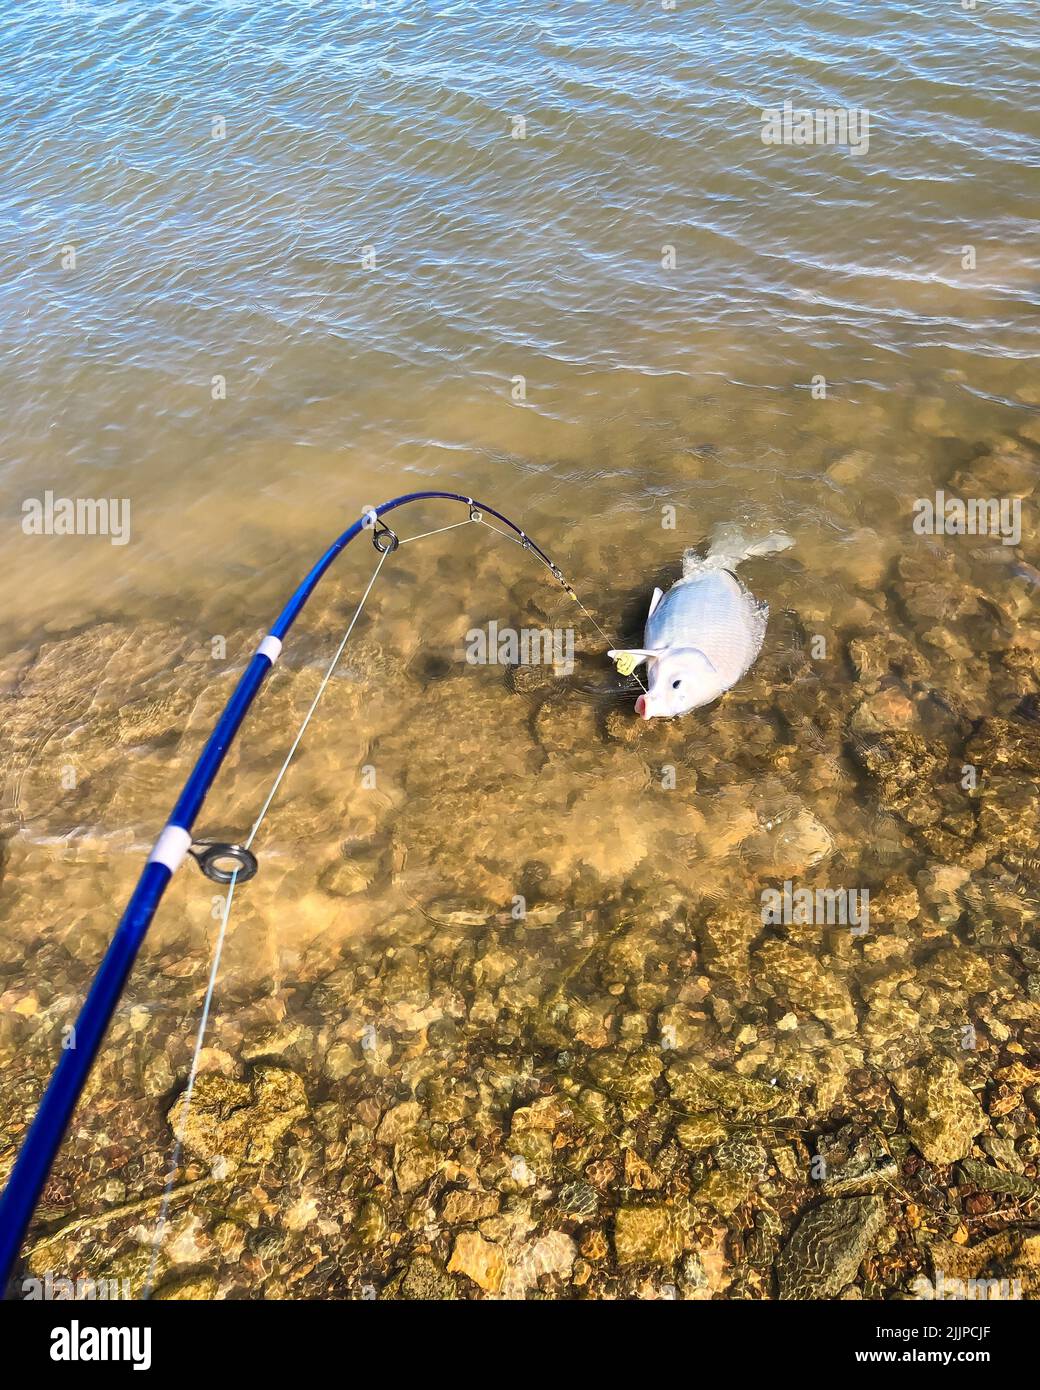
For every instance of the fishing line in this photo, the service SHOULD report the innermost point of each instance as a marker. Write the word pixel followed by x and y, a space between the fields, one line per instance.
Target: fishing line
pixel 499 532
pixel 182 1121
pixel 182 1124
pixel 523 543
pixel 314 703
pixel 44 1137
pixel 406 540
pixel 609 641
pixel 218 951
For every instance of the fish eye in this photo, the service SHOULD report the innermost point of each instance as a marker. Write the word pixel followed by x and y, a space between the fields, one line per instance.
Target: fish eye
pixel 676 684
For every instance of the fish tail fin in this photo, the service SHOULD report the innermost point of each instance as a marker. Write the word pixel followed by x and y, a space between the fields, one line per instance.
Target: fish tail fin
pixel 730 546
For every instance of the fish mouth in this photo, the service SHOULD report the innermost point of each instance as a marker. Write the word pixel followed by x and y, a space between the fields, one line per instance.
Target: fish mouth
pixel 641 708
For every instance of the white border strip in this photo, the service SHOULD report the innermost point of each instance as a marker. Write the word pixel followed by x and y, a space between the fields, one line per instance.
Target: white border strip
pixel 170 848
pixel 270 647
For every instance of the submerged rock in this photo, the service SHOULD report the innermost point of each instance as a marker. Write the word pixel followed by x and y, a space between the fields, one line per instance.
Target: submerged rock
pixel 511 1265
pixel 701 1088
pixel 974 1173
pixel 699 1132
pixel 551 1255
pixel 462 1208
pixel 372 1222
pixel 800 977
pixel 906 768
pixel 942 1114
pixel 578 1201
pixel 240 1122
pixel 647 1235
pixel 189 1287
pixel 853 1164
pixel 794 845
pixel 415 1162
pixel 400 1122
pixel 725 937
pixel 724 1189
pixel 629 1080
pixel 828 1246
pixel 425 1281
pixel 480 1260
pixel 1010 1256
pixel 887 709
pixel 1005 745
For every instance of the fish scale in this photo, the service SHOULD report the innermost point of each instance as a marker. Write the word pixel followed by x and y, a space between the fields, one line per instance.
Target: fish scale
pixel 705 632
pixel 714 613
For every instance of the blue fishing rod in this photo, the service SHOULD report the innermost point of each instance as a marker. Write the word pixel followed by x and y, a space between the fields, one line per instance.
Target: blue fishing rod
pixel 175 841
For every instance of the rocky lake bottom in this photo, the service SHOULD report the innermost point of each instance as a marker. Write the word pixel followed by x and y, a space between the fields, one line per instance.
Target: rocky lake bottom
pixel 631 1087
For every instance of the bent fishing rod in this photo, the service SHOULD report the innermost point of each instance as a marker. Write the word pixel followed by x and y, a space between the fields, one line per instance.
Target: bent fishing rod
pixel 175 842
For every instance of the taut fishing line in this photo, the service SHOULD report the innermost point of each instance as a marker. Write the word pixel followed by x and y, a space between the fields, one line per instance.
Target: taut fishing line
pixel 174 843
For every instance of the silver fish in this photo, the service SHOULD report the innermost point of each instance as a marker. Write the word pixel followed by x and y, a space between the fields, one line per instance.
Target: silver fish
pixel 705 632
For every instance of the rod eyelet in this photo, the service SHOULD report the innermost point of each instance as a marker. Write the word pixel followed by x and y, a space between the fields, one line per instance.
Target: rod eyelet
pixel 211 856
pixel 392 540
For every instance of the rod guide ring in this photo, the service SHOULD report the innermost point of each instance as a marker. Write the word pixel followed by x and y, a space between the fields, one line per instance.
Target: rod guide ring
pixel 212 858
pixel 392 541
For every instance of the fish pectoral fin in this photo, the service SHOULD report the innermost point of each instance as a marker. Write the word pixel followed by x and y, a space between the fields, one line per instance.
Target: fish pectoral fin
pixel 658 596
pixel 626 659
pixel 696 651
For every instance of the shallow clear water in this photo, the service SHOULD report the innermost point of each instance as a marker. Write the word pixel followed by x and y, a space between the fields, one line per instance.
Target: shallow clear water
pixel 368 260
pixel 495 257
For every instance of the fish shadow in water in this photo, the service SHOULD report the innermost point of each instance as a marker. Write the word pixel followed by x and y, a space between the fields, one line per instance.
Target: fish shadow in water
pixel 627 632
pixel 633 612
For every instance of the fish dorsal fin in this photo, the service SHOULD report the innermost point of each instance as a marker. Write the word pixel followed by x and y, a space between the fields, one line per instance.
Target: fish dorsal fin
pixel 658 596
